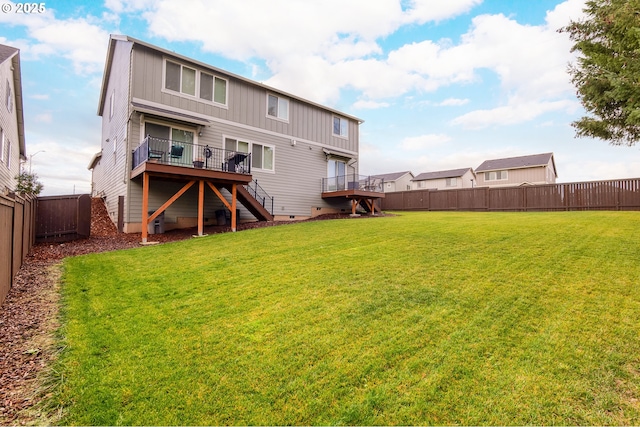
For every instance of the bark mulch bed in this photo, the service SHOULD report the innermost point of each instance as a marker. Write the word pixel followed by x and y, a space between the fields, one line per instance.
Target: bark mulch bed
pixel 29 314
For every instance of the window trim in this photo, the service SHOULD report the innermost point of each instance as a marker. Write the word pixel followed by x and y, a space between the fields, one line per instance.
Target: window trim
pixel 198 77
pixel 171 126
pixel 505 172
pixel 3 138
pixel 251 145
pixel 277 117
pixel 342 120
pixel 9 100
pixel 112 101
pixel 8 162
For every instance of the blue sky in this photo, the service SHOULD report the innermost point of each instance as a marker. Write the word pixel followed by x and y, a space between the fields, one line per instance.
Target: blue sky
pixel 440 84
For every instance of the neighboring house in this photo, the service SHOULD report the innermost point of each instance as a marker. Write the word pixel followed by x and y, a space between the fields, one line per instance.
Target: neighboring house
pixel 535 169
pixel 12 142
pixel 445 180
pixel 397 181
pixel 183 140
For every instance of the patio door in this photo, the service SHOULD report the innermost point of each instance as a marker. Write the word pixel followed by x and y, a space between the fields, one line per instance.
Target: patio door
pixel 167 137
pixel 336 174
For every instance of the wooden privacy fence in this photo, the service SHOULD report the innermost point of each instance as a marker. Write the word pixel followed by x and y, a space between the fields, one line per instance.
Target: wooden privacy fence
pixel 63 218
pixel 622 194
pixel 17 235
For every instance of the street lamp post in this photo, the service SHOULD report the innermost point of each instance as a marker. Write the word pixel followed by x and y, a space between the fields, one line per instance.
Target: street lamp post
pixel 31 157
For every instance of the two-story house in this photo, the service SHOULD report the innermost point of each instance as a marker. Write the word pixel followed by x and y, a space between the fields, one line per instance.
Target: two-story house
pixel 12 141
pixel 396 181
pixel 535 169
pixel 445 180
pixel 182 140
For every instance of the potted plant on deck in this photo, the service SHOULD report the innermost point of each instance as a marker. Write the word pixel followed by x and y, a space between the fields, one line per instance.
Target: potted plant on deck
pixel 198 163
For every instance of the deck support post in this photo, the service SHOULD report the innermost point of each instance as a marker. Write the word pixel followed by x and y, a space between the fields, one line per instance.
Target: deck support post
pixel 145 206
pixel 200 208
pixel 234 198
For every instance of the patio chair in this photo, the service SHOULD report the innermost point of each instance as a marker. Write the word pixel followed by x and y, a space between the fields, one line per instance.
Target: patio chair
pixel 176 151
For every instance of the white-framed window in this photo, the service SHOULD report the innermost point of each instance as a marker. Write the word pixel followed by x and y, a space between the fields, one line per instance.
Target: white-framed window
pixel 277 107
pixel 262 156
pixel 5 155
pixel 340 127
pixel 168 132
pixel 495 176
pixel 195 83
pixel 9 100
pixel 2 143
pixel 112 100
pixel 421 184
pixel 452 182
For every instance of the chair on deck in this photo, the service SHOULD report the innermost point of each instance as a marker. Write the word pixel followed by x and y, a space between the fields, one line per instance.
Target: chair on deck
pixel 156 155
pixel 176 151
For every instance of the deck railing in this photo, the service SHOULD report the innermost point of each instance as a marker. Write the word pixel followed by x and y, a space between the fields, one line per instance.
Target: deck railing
pixel 260 195
pixel 353 182
pixel 185 154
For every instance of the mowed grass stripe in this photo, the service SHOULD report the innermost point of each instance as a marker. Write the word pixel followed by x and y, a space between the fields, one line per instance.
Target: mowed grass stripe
pixel 420 318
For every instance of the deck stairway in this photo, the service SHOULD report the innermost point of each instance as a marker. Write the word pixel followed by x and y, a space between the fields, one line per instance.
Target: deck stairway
pixel 256 200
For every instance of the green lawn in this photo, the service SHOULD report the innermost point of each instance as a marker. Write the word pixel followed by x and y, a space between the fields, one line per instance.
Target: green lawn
pixel 420 318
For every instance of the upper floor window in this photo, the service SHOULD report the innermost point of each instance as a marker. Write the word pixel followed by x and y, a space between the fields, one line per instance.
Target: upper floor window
pixel 2 143
pixel 5 149
pixel 452 182
pixel 277 107
pixel 495 175
pixel 192 82
pixel 9 100
pixel 340 126
pixel 112 100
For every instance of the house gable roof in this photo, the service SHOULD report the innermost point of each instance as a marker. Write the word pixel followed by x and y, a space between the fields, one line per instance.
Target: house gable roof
pixel 8 53
pixel 452 173
pixel 114 38
pixel 534 160
pixel 392 176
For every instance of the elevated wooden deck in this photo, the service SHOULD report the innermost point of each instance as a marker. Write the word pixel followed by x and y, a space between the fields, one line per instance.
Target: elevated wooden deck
pixel 203 178
pixel 357 196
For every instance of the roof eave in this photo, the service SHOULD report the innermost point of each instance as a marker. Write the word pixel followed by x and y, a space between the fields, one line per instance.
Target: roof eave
pixel 17 83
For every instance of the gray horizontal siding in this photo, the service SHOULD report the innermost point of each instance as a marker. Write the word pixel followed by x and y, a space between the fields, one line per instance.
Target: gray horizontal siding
pixel 246 104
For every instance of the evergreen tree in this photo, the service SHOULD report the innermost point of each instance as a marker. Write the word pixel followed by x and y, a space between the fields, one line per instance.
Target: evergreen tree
pixel 28 184
pixel 607 72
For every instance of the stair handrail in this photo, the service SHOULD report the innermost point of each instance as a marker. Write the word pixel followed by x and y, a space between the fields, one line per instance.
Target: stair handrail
pixel 258 193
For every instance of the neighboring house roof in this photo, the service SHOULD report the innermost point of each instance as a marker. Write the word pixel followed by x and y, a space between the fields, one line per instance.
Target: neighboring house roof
pixel 11 53
pixel 392 176
pixel 111 49
pixel 534 160
pixel 453 173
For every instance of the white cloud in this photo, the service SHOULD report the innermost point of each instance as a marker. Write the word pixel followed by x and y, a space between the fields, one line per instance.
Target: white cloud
pixel 44 118
pixel 39 96
pixel 422 142
pixel 422 11
pixel 517 111
pixel 82 41
pixel 369 105
pixel 597 170
pixel 453 102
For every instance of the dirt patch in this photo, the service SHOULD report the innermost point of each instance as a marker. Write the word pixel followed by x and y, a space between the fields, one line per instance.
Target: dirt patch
pixel 29 314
